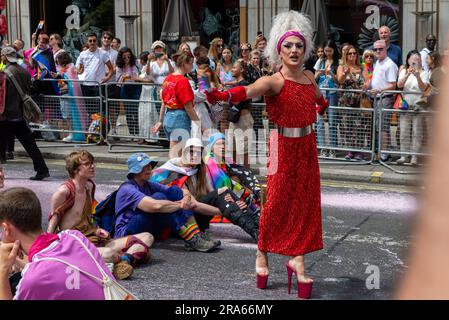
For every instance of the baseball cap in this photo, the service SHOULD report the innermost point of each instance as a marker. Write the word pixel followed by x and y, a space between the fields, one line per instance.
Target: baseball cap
pixel 10 54
pixel 193 142
pixel 138 161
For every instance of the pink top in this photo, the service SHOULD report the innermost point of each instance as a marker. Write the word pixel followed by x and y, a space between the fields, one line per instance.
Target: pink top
pixel 26 55
pixel 53 280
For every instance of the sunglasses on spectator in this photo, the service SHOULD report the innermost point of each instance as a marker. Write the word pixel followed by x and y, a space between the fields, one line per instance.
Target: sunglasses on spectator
pixel 352 53
pixel 92 41
pixel 379 49
pixel 107 38
pixel 372 57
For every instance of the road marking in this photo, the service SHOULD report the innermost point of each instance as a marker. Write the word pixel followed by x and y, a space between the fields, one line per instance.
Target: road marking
pixel 375 176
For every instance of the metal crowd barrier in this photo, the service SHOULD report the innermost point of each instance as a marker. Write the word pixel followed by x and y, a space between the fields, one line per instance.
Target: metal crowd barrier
pixel 346 133
pixel 402 133
pixel 68 115
pixel 366 131
pixel 131 112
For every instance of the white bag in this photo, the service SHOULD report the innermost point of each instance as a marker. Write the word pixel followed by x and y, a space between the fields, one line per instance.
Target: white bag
pixel 111 288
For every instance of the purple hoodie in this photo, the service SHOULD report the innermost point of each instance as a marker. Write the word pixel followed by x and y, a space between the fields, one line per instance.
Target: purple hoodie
pixel 53 280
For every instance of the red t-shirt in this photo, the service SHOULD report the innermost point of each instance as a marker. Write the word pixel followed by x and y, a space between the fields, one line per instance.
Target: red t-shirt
pixel 176 92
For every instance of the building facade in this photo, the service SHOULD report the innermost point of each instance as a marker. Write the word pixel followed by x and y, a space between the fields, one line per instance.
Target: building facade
pixel 354 21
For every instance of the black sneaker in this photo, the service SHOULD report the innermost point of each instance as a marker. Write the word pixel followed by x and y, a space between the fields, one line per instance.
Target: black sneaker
pixel 40 176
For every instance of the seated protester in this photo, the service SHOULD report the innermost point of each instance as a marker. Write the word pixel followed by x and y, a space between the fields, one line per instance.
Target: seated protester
pixel 144 206
pixel 189 173
pixel 42 278
pixel 223 172
pixel 71 209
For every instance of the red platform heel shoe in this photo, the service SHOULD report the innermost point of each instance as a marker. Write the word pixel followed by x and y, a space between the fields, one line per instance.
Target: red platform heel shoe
pixel 262 279
pixel 304 288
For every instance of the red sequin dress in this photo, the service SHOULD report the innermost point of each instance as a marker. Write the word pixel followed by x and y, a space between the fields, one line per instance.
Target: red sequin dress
pixel 290 223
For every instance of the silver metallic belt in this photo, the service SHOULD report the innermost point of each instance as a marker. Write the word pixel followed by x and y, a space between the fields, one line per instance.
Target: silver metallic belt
pixel 296 132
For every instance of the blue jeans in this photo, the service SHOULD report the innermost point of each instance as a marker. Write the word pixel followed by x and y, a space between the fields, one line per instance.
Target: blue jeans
pixel 331 116
pixel 155 223
pixel 177 125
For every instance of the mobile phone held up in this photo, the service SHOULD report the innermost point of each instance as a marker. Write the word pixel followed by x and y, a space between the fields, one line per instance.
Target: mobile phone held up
pixel 158 55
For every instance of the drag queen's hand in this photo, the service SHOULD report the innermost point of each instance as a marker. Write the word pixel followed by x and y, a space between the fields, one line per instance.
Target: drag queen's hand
pixel 213 96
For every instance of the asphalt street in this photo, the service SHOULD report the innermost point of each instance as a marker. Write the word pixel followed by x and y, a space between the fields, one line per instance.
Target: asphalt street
pixel 366 232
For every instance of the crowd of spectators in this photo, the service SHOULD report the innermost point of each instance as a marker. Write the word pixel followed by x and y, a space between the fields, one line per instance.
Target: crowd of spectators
pixel 104 67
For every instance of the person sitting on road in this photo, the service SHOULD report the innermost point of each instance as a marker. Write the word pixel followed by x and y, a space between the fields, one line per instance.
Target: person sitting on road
pixel 71 209
pixel 144 206
pixel 189 173
pixel 20 219
pixel 223 172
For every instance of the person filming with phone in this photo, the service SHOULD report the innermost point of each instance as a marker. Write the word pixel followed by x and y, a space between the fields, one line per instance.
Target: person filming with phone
pixel 412 78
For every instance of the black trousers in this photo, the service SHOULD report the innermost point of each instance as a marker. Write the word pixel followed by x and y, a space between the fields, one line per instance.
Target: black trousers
pixel 21 130
pixel 218 201
pixel 91 106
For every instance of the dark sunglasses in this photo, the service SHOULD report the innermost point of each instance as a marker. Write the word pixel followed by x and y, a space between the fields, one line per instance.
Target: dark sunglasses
pixel 379 49
pixel 92 41
pixel 372 57
pixel 107 38
pixel 352 53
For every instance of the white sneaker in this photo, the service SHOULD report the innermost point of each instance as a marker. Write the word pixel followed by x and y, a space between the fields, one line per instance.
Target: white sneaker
pixel 69 138
pixel 414 161
pixel 323 153
pixel 401 160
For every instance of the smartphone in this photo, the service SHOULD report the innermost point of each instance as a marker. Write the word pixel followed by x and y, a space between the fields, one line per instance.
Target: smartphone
pixel 159 55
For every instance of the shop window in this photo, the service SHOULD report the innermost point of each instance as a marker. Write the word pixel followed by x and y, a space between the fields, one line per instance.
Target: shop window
pixel 74 19
pixel 218 19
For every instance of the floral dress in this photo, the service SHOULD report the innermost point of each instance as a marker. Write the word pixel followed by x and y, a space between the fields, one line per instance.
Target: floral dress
pixel 353 132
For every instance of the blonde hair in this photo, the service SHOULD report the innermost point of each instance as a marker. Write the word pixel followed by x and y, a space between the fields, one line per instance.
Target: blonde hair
pixel 367 52
pixel 213 49
pixel 345 59
pixel 283 22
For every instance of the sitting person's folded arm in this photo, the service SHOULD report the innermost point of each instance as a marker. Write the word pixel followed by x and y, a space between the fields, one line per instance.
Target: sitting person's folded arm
pixel 150 205
pixel 206 209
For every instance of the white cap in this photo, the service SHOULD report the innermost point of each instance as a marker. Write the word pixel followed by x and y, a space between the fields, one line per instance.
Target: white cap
pixel 193 142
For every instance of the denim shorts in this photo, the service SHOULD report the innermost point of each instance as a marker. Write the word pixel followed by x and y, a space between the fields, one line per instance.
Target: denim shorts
pixel 177 125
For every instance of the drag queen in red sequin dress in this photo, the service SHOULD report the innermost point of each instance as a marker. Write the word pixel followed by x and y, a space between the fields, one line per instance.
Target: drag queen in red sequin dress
pixel 290 222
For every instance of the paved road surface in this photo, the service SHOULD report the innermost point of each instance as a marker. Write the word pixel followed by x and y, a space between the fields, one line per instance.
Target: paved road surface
pixel 365 228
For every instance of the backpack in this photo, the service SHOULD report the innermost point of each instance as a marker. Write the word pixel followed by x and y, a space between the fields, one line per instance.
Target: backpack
pixel 111 288
pixel 104 213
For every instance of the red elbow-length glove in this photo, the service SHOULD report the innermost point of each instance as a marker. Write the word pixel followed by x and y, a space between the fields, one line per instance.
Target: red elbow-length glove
pixel 321 105
pixel 233 95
